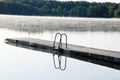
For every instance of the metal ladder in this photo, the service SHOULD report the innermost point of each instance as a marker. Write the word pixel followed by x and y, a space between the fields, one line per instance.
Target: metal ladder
pixel 57 51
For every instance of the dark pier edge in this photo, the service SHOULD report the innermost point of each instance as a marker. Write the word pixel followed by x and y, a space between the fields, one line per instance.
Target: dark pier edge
pixel 92 58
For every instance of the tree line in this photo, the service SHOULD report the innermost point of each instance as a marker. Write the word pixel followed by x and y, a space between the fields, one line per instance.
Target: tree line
pixel 57 8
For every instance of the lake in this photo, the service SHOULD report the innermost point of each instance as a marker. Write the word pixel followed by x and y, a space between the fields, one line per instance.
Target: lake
pixel 18 63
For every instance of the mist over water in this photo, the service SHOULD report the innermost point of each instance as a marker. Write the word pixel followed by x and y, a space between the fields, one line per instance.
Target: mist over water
pixel 39 24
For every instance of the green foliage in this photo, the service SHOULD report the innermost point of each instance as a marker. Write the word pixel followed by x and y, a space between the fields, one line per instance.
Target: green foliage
pixel 15 8
pixel 57 8
pixel 117 13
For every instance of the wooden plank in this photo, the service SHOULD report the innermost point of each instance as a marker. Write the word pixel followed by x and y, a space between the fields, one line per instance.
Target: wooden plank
pixel 111 56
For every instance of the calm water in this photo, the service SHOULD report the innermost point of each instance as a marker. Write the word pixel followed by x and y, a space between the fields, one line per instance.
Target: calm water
pixel 18 63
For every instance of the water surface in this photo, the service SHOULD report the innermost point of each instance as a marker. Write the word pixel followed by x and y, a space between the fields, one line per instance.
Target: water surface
pixel 17 63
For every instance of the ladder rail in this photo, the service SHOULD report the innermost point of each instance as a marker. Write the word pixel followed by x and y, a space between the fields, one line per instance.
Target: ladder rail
pixel 55 40
pixel 63 68
pixel 63 34
pixel 54 61
pixel 60 45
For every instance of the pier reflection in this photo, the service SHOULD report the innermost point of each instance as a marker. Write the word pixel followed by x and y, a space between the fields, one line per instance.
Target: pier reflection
pixel 60 60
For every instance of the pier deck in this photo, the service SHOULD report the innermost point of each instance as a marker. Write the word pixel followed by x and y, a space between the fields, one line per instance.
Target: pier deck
pixel 111 56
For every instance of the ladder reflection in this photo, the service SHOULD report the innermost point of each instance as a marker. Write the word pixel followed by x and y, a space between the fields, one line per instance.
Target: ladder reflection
pixel 59 61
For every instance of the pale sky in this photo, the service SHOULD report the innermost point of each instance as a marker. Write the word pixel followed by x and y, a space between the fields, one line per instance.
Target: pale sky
pixel 115 1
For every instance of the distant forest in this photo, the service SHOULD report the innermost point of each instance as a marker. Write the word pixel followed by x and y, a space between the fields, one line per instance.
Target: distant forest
pixel 57 8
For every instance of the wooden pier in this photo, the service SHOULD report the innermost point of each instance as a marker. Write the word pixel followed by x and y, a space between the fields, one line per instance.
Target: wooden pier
pixel 47 46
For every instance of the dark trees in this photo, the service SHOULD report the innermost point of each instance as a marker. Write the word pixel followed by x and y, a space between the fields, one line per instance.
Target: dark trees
pixel 57 8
